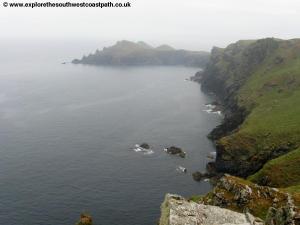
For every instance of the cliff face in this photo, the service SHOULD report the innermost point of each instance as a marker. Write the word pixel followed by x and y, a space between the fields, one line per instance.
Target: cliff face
pixel 126 53
pixel 258 82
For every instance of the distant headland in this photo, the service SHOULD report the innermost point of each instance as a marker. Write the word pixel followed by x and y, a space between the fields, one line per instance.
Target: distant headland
pixel 127 53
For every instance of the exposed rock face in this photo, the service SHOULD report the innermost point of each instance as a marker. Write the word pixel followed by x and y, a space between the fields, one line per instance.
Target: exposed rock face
pixel 268 203
pixel 286 215
pixel 178 211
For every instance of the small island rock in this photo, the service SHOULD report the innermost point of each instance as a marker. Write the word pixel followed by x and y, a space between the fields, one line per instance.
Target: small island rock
pixel 198 176
pixel 176 151
pixel 145 145
pixel 85 219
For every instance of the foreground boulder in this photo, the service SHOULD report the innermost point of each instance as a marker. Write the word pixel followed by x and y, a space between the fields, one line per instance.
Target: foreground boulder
pixel 176 210
pixel 175 151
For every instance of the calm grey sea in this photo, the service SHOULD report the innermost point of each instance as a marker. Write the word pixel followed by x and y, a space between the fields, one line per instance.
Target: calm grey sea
pixel 67 133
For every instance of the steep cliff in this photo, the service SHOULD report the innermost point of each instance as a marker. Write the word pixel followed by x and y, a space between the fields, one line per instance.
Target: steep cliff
pixel 258 82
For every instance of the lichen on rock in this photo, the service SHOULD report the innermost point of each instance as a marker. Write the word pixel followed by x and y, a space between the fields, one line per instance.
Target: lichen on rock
pixel 271 204
pixel 176 210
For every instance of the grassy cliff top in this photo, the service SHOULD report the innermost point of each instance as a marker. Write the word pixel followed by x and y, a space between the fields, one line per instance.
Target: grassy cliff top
pixel 261 77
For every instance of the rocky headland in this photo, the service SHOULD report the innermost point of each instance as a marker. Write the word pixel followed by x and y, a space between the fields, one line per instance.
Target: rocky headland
pixel 127 53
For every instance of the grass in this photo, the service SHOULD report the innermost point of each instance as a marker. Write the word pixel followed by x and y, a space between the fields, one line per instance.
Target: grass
pixel 271 95
pixel 196 198
pixel 283 171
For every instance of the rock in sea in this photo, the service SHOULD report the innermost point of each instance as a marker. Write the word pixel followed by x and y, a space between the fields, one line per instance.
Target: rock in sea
pixel 175 151
pixel 145 146
pixel 198 176
pixel 85 219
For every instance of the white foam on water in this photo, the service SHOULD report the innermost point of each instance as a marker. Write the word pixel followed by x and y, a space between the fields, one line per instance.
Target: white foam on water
pixel 211 109
pixel 212 155
pixel 143 150
pixel 181 169
pixel 210 106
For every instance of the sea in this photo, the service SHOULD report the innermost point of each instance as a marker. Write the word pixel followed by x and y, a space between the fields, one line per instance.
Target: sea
pixel 68 135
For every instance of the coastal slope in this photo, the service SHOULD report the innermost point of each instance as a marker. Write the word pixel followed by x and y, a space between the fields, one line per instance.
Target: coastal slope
pixel 258 83
pixel 127 53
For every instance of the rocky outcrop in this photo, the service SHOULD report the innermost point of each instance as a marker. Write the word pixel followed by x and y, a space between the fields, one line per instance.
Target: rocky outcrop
pixel 176 151
pixel 286 215
pixel 176 210
pixel 276 206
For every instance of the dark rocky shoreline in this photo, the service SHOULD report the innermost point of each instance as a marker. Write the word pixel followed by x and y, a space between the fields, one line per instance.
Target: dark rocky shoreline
pixel 234 116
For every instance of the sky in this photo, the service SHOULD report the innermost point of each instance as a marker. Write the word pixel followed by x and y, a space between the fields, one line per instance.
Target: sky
pixel 190 24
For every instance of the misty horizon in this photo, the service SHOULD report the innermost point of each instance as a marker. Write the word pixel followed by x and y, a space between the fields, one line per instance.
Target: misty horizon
pixel 193 26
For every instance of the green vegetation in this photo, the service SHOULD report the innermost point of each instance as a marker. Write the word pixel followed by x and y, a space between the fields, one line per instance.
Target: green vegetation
pixel 165 212
pixel 196 198
pixel 239 195
pixel 295 192
pixel 260 82
pixel 262 78
pixel 283 171
pixel 271 94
